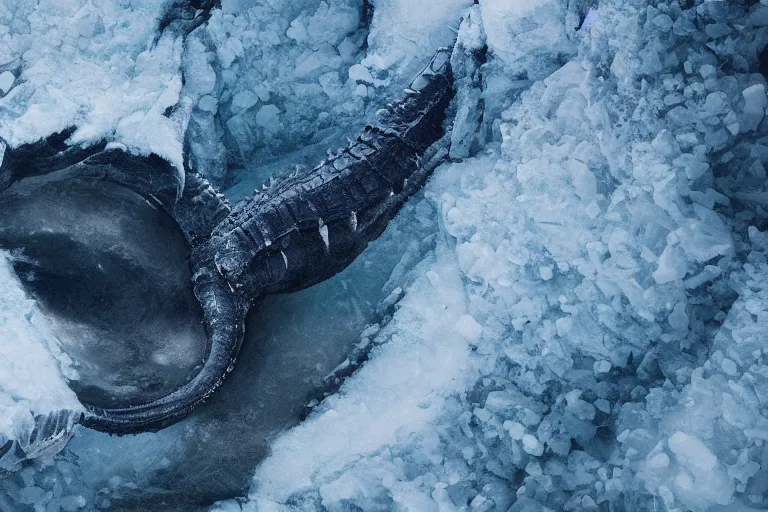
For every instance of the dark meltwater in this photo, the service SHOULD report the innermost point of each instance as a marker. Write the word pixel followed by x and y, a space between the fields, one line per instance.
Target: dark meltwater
pixel 110 270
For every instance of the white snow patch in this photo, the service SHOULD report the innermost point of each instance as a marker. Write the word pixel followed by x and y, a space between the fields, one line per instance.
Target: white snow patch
pixel 93 67
pixel 33 368
pixel 399 394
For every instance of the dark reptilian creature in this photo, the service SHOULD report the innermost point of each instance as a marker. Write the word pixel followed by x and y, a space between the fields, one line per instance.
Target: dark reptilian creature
pixel 299 232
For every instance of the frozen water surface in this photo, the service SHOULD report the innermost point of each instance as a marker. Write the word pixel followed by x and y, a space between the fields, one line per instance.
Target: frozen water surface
pixel 583 301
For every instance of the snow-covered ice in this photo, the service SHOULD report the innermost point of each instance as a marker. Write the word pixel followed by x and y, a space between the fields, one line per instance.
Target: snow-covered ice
pixel 586 330
pixel 90 65
pixel 33 368
pixel 33 373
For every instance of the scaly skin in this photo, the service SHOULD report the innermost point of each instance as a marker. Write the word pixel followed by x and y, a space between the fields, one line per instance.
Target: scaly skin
pixel 312 225
pixel 299 232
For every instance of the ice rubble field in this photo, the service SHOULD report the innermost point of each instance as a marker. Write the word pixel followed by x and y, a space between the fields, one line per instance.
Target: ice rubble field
pixel 611 261
pixel 587 334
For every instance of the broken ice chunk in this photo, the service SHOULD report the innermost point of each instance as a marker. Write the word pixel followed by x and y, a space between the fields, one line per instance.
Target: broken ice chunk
pixel 707 71
pixel 262 92
pixel 244 100
pixel 208 103
pixel 755 102
pixel 84 27
pixel 601 367
pixel 589 19
pixel 468 327
pixel 717 30
pixel 6 81
pixel 578 407
pixel 717 103
pixel 524 504
pixel 533 468
pixel 501 401
pixel 672 265
pixel 267 117
pixel 684 481
pixel 360 73
pixel 691 452
pixel 729 367
pixel 603 405
pixel 361 91
pixel 583 179
pixel 663 22
pixel 516 429
pixel 678 318
pixel 704 473
pixel 592 210
pixel 347 49
pixel 658 461
pixel 564 325
pixel 694 168
pixel 532 446
pixel 482 414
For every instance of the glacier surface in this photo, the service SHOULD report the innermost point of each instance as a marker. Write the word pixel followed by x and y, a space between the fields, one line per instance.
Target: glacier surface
pixel 581 319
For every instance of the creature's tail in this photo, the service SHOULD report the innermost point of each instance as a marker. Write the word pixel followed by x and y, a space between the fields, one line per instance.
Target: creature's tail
pixel 313 224
pixel 224 319
pixel 300 232
pixel 197 212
